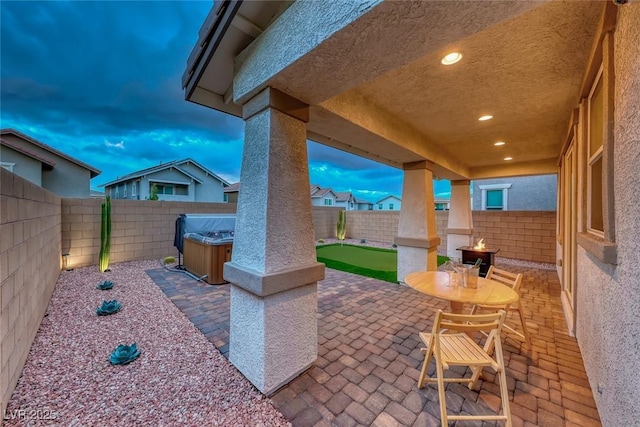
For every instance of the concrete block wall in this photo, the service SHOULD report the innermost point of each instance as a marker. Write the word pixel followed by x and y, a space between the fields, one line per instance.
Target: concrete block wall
pixel 30 261
pixel 325 220
pixel 526 235
pixel 379 226
pixel 140 229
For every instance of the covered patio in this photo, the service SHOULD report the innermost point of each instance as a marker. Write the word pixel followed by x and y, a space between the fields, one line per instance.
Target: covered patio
pixel 369 355
pixel 455 90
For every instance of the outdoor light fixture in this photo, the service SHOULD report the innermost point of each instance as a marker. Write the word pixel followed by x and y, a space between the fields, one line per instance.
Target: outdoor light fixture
pixel 485 118
pixel 499 143
pixel 451 58
pixel 65 262
pixel 508 158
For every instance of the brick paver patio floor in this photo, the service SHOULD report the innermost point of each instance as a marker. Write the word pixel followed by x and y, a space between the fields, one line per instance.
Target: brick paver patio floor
pixel 369 356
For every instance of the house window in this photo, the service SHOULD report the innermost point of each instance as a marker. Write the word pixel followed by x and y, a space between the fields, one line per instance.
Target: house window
pixel 172 189
pixel 8 166
pixel 379 206
pixel 494 200
pixel 494 197
pixel 226 198
pixel 328 202
pixel 117 196
pixel 391 206
pixel 124 192
pixel 597 225
pixel 595 105
pixel 134 189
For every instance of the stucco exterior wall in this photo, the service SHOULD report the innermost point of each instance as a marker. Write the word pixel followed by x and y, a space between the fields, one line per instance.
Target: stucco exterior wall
pixel 608 296
pixel 527 193
pixel 30 261
pixel 211 189
pixel 25 166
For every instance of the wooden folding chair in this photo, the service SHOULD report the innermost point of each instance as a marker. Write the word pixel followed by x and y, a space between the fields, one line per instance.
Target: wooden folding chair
pixel 458 349
pixel 514 281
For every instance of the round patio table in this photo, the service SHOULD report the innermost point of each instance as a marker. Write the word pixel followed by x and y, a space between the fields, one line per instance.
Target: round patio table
pixel 436 284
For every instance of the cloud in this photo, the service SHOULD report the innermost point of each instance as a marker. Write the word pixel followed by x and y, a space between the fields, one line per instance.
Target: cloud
pixel 119 145
pixel 101 81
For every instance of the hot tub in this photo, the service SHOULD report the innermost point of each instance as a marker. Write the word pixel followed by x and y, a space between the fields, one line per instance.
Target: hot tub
pixel 206 253
pixel 206 241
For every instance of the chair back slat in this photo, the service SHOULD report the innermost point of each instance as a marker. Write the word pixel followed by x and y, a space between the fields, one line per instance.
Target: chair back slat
pixel 465 322
pixel 505 277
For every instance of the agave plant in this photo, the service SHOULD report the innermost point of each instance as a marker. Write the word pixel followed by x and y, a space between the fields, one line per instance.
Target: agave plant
pixel 124 354
pixel 108 307
pixel 103 286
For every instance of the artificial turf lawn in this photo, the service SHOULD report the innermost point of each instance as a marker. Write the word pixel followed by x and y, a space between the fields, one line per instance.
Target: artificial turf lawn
pixel 363 260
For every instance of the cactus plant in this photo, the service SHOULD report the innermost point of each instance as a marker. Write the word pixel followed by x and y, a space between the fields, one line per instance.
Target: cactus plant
pixel 108 307
pixel 341 229
pixel 124 354
pixel 105 236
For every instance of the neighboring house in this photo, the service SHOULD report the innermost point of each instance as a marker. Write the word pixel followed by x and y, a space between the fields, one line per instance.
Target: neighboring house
pixel 389 203
pixel 231 193
pixel 45 166
pixel 323 196
pixel 180 180
pixel 342 199
pixel 538 193
pixel 363 205
pixel 346 200
pixel 442 203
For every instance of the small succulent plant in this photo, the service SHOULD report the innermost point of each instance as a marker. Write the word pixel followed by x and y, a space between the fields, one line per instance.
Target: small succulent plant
pixel 321 241
pixel 108 307
pixel 103 286
pixel 124 354
pixel 169 260
pixel 394 246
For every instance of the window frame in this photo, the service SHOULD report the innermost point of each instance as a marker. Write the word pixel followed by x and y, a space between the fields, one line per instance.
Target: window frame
pixel 490 187
pixel 8 166
pixel 328 201
pixel 600 244
pixel 134 190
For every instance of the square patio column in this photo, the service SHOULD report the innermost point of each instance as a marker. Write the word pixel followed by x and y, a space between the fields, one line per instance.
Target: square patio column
pixel 460 223
pixel 417 236
pixel 273 270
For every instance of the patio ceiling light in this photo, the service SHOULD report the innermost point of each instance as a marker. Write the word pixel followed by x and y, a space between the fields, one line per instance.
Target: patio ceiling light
pixel 499 143
pixel 508 158
pixel 485 118
pixel 451 58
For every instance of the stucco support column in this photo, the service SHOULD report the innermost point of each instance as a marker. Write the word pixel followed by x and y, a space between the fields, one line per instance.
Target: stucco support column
pixel 460 224
pixel 273 270
pixel 417 236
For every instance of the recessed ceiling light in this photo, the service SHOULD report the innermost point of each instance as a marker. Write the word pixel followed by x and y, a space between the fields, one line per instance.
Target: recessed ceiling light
pixel 499 143
pixel 451 58
pixel 485 118
pixel 508 158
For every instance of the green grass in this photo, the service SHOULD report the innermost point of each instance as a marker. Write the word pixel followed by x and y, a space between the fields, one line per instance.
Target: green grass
pixel 377 263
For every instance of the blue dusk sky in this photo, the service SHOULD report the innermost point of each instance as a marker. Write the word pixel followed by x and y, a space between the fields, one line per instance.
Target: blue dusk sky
pixel 101 81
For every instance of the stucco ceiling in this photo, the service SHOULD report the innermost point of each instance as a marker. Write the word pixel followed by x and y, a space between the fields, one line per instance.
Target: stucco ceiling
pixel 376 86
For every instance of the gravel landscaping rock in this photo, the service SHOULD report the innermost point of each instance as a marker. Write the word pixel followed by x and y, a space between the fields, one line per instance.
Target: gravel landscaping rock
pixel 179 377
